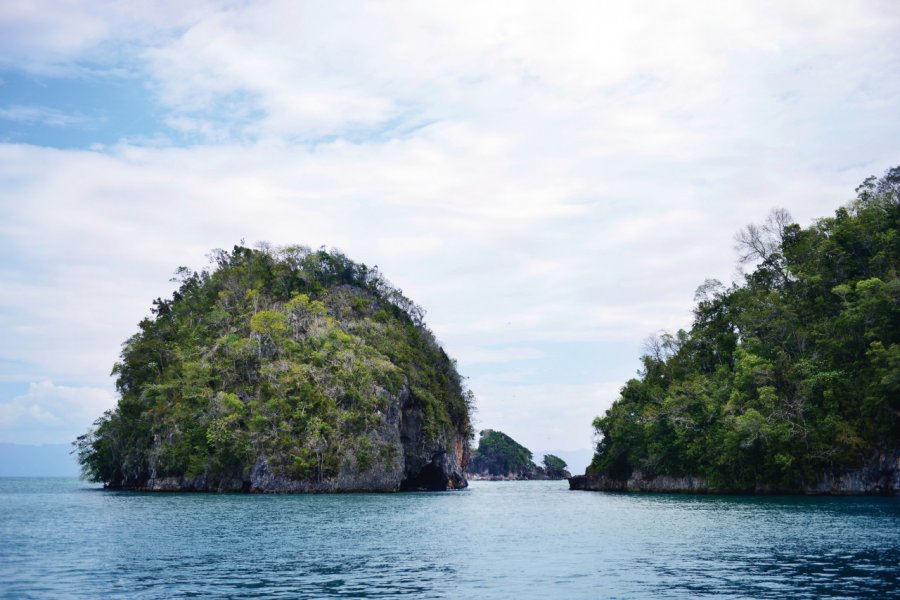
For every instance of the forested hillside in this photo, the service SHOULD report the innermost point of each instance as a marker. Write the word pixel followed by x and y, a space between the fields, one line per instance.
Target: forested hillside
pixel 283 370
pixel 790 374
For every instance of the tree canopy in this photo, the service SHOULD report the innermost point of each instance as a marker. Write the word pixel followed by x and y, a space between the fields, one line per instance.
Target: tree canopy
pixel 554 466
pixel 790 373
pixel 499 454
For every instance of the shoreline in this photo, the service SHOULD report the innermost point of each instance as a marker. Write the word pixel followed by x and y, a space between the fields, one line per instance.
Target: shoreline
pixel 880 476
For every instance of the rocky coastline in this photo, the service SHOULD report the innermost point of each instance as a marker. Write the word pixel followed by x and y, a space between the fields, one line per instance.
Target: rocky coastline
pixel 423 464
pixel 533 476
pixel 878 476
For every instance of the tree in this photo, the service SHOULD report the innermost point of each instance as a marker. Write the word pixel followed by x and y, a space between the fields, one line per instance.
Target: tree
pixel 554 466
pixel 500 455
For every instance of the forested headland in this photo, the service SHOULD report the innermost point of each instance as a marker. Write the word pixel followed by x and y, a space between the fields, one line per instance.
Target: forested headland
pixel 498 456
pixel 283 369
pixel 788 380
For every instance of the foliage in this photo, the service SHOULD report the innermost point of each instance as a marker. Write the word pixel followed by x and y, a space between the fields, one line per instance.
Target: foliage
pixel 500 455
pixel 554 466
pixel 285 353
pixel 792 373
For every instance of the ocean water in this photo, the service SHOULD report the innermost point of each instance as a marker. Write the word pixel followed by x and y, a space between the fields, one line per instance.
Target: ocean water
pixel 63 538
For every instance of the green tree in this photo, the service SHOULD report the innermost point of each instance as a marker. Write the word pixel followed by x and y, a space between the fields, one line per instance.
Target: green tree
pixel 554 466
pixel 500 455
pixel 785 376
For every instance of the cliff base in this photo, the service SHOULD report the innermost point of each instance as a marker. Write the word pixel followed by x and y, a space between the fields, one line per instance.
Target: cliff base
pixel 880 476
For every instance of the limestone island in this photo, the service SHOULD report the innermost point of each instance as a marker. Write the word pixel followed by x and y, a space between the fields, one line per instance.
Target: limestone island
pixel 283 370
pixel 786 383
pixel 500 458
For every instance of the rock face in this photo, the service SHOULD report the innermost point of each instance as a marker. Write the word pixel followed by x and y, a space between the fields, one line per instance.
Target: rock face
pixel 879 476
pixel 423 465
pixel 429 466
pixel 637 483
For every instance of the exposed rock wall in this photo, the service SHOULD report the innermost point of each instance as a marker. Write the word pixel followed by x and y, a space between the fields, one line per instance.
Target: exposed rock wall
pixel 879 476
pixel 429 464
pixel 637 483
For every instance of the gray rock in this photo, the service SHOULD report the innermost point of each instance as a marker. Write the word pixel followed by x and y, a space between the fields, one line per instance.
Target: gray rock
pixel 880 475
pixel 420 463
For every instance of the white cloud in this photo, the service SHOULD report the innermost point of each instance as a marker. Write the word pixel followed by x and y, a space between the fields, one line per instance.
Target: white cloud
pixel 537 416
pixel 481 355
pixel 53 30
pixel 44 115
pixel 59 37
pixel 645 76
pixel 48 413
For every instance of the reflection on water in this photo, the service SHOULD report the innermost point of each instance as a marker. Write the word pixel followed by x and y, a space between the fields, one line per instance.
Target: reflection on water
pixel 60 538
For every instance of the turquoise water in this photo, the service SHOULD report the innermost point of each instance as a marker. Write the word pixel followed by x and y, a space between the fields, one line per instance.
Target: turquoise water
pixel 62 538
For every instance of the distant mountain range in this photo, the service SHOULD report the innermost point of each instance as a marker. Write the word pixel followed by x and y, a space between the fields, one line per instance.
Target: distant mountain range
pixel 46 460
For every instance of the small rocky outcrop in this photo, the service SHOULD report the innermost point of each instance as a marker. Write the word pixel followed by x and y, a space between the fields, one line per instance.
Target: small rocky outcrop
pixel 500 458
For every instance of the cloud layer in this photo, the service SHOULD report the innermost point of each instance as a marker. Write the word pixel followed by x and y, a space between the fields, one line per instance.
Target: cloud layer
pixel 49 413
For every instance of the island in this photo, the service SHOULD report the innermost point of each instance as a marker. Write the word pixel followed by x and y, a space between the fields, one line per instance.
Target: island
pixel 788 382
pixel 283 370
pixel 498 457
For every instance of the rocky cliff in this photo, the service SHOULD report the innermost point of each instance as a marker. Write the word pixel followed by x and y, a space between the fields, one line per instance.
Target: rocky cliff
pixel 878 476
pixel 421 466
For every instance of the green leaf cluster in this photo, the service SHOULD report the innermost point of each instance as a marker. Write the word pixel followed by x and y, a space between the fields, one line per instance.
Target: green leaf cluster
pixel 792 373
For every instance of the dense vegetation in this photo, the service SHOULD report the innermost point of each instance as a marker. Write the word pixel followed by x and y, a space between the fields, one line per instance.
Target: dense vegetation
pixel 285 353
pixel 555 467
pixel 793 373
pixel 498 455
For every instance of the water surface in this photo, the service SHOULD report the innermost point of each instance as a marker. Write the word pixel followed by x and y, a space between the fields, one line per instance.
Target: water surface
pixel 63 538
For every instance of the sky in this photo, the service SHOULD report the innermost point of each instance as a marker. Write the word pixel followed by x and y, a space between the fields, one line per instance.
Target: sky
pixel 550 181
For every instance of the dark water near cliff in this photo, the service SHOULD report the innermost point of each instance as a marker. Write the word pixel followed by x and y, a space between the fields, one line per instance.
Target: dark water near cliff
pixel 59 538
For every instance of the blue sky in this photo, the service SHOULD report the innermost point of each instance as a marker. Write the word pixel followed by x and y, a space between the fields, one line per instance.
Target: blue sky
pixel 550 182
pixel 76 111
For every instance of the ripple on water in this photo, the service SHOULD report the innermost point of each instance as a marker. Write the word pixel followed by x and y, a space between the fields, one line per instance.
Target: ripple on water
pixel 62 538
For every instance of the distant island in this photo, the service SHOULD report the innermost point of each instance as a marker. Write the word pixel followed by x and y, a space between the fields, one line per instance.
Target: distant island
pixel 498 457
pixel 283 370
pixel 788 382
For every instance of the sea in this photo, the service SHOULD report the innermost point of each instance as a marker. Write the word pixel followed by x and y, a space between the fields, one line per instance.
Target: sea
pixel 65 538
